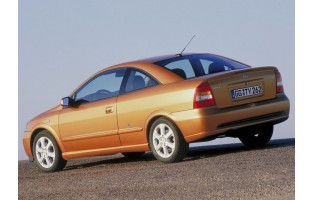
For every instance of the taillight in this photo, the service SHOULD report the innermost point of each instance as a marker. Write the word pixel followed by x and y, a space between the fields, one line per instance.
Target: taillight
pixel 279 82
pixel 203 96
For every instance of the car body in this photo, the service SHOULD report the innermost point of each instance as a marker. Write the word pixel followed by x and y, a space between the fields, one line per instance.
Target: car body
pixel 124 109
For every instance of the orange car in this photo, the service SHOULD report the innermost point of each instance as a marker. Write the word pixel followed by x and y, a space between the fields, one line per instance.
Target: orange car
pixel 160 104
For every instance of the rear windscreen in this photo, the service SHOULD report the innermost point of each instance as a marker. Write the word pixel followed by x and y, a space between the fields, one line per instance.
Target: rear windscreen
pixel 191 66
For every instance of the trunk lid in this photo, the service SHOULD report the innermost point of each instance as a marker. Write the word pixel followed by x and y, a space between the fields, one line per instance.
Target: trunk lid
pixel 243 86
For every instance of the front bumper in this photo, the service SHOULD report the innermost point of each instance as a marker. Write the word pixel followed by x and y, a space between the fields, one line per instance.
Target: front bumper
pixel 27 145
pixel 197 124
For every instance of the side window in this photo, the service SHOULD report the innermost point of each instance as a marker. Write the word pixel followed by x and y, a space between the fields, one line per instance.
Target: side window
pixel 182 68
pixel 103 86
pixel 138 80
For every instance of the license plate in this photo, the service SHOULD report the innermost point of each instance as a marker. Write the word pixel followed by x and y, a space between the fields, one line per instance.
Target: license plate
pixel 247 91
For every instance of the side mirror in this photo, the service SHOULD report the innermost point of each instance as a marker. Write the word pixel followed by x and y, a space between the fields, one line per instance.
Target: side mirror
pixel 67 102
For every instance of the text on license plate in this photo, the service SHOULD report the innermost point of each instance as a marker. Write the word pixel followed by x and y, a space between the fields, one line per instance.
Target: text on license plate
pixel 248 91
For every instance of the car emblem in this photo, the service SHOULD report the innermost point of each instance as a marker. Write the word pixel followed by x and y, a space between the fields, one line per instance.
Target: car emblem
pixel 245 76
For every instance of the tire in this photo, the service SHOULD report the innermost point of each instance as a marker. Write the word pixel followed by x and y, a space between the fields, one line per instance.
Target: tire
pixel 259 136
pixel 133 155
pixel 166 141
pixel 47 154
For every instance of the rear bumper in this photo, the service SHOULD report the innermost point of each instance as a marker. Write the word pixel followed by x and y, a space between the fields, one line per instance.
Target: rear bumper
pixel 197 124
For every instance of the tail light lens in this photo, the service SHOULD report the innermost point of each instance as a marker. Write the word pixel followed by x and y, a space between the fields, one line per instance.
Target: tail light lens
pixel 203 96
pixel 279 83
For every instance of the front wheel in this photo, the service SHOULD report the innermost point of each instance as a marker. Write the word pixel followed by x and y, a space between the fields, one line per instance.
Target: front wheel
pixel 166 141
pixel 47 153
pixel 259 136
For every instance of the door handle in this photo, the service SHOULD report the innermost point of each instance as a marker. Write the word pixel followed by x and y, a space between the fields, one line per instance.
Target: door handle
pixel 109 110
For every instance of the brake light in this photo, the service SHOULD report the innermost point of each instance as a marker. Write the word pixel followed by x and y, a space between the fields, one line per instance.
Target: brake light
pixel 279 82
pixel 203 96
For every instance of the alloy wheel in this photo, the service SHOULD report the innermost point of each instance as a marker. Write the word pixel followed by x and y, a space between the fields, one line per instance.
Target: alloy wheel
pixel 45 152
pixel 163 140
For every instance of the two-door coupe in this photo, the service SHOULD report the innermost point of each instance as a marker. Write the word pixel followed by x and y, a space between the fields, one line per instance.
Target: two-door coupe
pixel 160 104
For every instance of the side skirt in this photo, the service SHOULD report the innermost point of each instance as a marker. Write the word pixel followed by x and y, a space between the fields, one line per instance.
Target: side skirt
pixel 105 151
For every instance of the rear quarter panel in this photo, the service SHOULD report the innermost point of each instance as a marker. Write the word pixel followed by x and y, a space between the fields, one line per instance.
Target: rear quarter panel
pixel 135 109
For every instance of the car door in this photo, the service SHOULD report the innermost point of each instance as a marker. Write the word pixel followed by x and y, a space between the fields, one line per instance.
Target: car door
pixel 91 123
pixel 134 106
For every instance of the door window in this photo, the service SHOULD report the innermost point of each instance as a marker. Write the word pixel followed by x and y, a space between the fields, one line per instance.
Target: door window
pixel 102 86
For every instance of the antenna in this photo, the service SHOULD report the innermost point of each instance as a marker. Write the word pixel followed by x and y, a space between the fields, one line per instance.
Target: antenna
pixel 180 54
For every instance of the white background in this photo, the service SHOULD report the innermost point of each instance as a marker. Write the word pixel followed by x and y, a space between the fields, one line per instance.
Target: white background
pixel 9 88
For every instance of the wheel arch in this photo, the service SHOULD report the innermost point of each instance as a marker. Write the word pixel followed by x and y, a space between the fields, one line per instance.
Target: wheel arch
pixel 156 116
pixel 51 131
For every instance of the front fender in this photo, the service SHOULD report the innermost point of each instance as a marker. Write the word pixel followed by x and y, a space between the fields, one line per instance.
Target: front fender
pixel 51 130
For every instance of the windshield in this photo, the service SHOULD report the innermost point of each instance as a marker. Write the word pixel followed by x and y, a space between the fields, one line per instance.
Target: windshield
pixel 191 66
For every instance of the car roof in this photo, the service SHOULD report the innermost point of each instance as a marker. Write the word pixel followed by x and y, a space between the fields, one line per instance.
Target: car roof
pixel 164 57
pixel 161 74
pixel 149 61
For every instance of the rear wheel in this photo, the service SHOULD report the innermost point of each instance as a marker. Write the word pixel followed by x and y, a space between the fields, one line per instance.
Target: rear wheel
pixel 166 141
pixel 47 153
pixel 259 136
